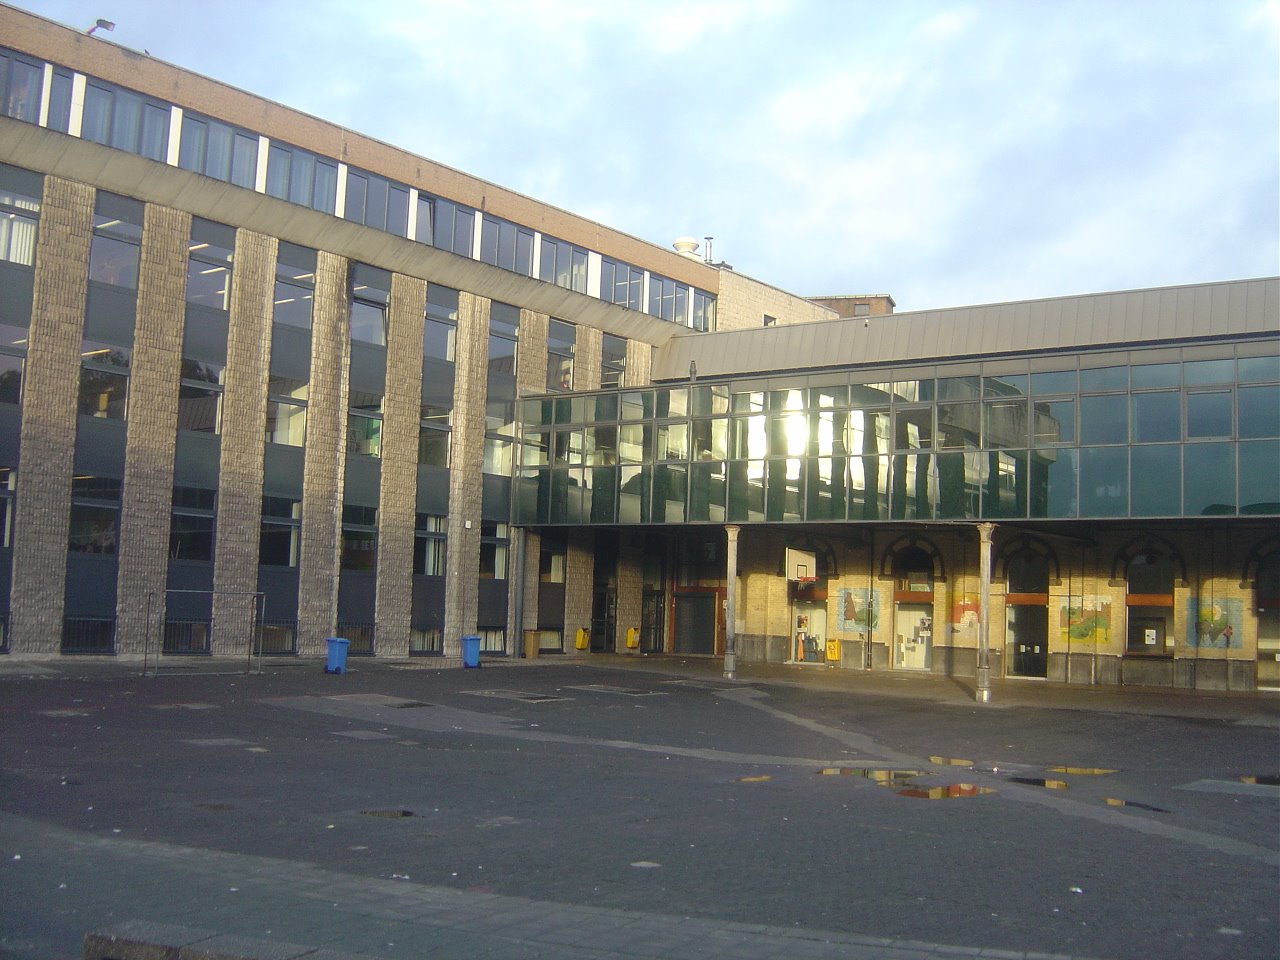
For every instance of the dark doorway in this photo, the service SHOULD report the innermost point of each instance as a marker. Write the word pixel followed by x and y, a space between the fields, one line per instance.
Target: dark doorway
pixel 653 634
pixel 604 620
pixel 1027 614
pixel 695 623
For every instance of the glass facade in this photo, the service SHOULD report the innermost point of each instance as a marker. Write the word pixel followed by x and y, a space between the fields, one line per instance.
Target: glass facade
pixel 1190 439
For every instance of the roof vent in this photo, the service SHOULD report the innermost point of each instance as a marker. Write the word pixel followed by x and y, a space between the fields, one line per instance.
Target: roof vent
pixel 687 247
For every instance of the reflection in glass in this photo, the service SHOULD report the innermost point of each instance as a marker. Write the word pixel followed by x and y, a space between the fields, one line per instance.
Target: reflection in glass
pixel 1260 477
pixel 913 487
pixel 1054 421
pixel 1104 481
pixel 1104 419
pixel 1058 381
pixel 868 487
pixel 1209 414
pixel 1259 411
pixel 1157 416
pixel 1006 484
pixel 959 476
pixel 1104 378
pixel 1156 479
pixel 746 490
pixel 1209 479
pixel 1053 482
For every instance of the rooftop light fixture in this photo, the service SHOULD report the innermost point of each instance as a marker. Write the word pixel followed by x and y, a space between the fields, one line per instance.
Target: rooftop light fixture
pixel 106 25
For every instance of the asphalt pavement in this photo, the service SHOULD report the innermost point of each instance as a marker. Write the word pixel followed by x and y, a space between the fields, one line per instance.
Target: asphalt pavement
pixel 633 807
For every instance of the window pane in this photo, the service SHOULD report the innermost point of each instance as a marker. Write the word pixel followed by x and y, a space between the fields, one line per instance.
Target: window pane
pixel 96 122
pixel 1260 477
pixel 190 538
pixel 1104 481
pixel 1156 473
pixel 244 160
pixel 1157 417
pixel 103 394
pixel 1209 414
pixel 198 408
pixel 1104 378
pixel 1054 421
pixel 92 529
pixel 1259 411
pixel 1104 419
pixel 1063 381
pixel 1156 375
pixel 1053 482
pixel 1006 485
pixel 1209 479
pixel 286 423
pixel 324 197
pixel 1198 372
pixel 279 162
pixel 10 378
pixel 278 545
pixel 25 81
pixel 1255 369
pixel 126 121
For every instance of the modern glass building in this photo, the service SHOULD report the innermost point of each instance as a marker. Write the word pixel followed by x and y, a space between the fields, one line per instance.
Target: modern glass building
pixel 265 381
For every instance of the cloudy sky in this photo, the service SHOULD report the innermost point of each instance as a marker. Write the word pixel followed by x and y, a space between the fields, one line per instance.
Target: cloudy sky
pixel 947 153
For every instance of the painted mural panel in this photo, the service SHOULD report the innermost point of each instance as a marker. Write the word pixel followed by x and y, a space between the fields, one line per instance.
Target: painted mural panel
pixel 965 608
pixel 1086 620
pixel 1215 624
pixel 858 609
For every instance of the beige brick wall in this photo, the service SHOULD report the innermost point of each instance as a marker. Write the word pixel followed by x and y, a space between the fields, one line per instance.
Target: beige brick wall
pixel 531 353
pixel 244 410
pixel 743 303
pixel 639 363
pixel 152 431
pixel 630 584
pixel 470 377
pixel 326 457
pixel 579 576
pixel 397 506
pixel 586 359
pixel 51 384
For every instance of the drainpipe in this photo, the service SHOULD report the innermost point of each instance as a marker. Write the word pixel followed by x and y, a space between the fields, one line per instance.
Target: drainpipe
pixel 517 600
pixel 731 604
pixel 985 530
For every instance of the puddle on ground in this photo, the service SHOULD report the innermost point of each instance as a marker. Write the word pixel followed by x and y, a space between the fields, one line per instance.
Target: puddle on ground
pixel 1082 771
pixel 1265 780
pixel 950 791
pixel 1116 802
pixel 951 762
pixel 886 778
pixel 1040 782
pixel 387 814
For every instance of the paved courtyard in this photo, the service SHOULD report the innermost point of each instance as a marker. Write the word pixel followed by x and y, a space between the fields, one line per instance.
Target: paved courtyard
pixel 618 809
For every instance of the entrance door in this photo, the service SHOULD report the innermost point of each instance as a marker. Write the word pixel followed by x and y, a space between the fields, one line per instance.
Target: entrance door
pixel 912 637
pixel 810 634
pixel 604 620
pixel 1028 632
pixel 695 623
pixel 653 621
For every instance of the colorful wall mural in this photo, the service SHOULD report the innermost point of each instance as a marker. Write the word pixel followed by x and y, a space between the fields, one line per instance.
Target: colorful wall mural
pixel 1086 620
pixel 858 609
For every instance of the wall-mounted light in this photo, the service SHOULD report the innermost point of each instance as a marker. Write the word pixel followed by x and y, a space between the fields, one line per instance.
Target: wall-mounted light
pixel 106 25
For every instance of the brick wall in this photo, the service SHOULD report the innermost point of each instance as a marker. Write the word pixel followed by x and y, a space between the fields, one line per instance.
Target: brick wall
pixel 744 302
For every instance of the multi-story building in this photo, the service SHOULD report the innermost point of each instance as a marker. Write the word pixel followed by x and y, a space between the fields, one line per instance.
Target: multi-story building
pixel 267 381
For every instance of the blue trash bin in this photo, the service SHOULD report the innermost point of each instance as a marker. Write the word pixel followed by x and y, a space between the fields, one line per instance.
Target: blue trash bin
pixel 337 662
pixel 471 651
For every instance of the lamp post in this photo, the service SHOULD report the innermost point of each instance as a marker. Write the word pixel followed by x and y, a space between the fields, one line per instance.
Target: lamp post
pixel 985 530
pixel 731 604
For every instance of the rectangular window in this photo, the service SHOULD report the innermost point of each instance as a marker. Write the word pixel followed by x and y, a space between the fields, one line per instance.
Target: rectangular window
pixel 209 256
pixel 561 342
pixel 10 378
pixel 301 177
pixel 504 322
pixel 191 524
pixel 295 286
pixel 8 489
pixel 60 100
pixel 506 245
pixel 429 545
pixel 359 537
pixel 454 225
pixel 286 422
pixel 20 192
pixel 493 550
pixel 281 532
pixel 370 297
pixel 218 150
pixel 115 117
pixel 613 361
pixel 704 311
pixel 563 264
pixel 377 202
pixel 95 514
pixel 621 283
pixel 440 333
pixel 104 384
pixel 116 246
pixel 21 79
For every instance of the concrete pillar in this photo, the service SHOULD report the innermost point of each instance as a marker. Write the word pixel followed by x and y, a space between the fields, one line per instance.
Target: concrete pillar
pixel 51 382
pixel 324 467
pixel 630 584
pixel 588 345
pixel 240 469
pixel 471 366
pixel 985 530
pixel 152 431
pixel 731 604
pixel 397 503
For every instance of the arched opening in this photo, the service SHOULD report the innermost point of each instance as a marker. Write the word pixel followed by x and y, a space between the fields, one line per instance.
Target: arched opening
pixel 1266 592
pixel 913 574
pixel 1149 576
pixel 1027 613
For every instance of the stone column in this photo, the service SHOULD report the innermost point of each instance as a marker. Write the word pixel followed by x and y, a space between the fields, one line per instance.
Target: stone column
pixel 397 504
pixel 324 468
pixel 51 383
pixel 461 592
pixel 985 530
pixel 244 412
pixel 152 431
pixel 639 363
pixel 731 604
pixel 630 583
pixel 588 344
pixel 579 586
